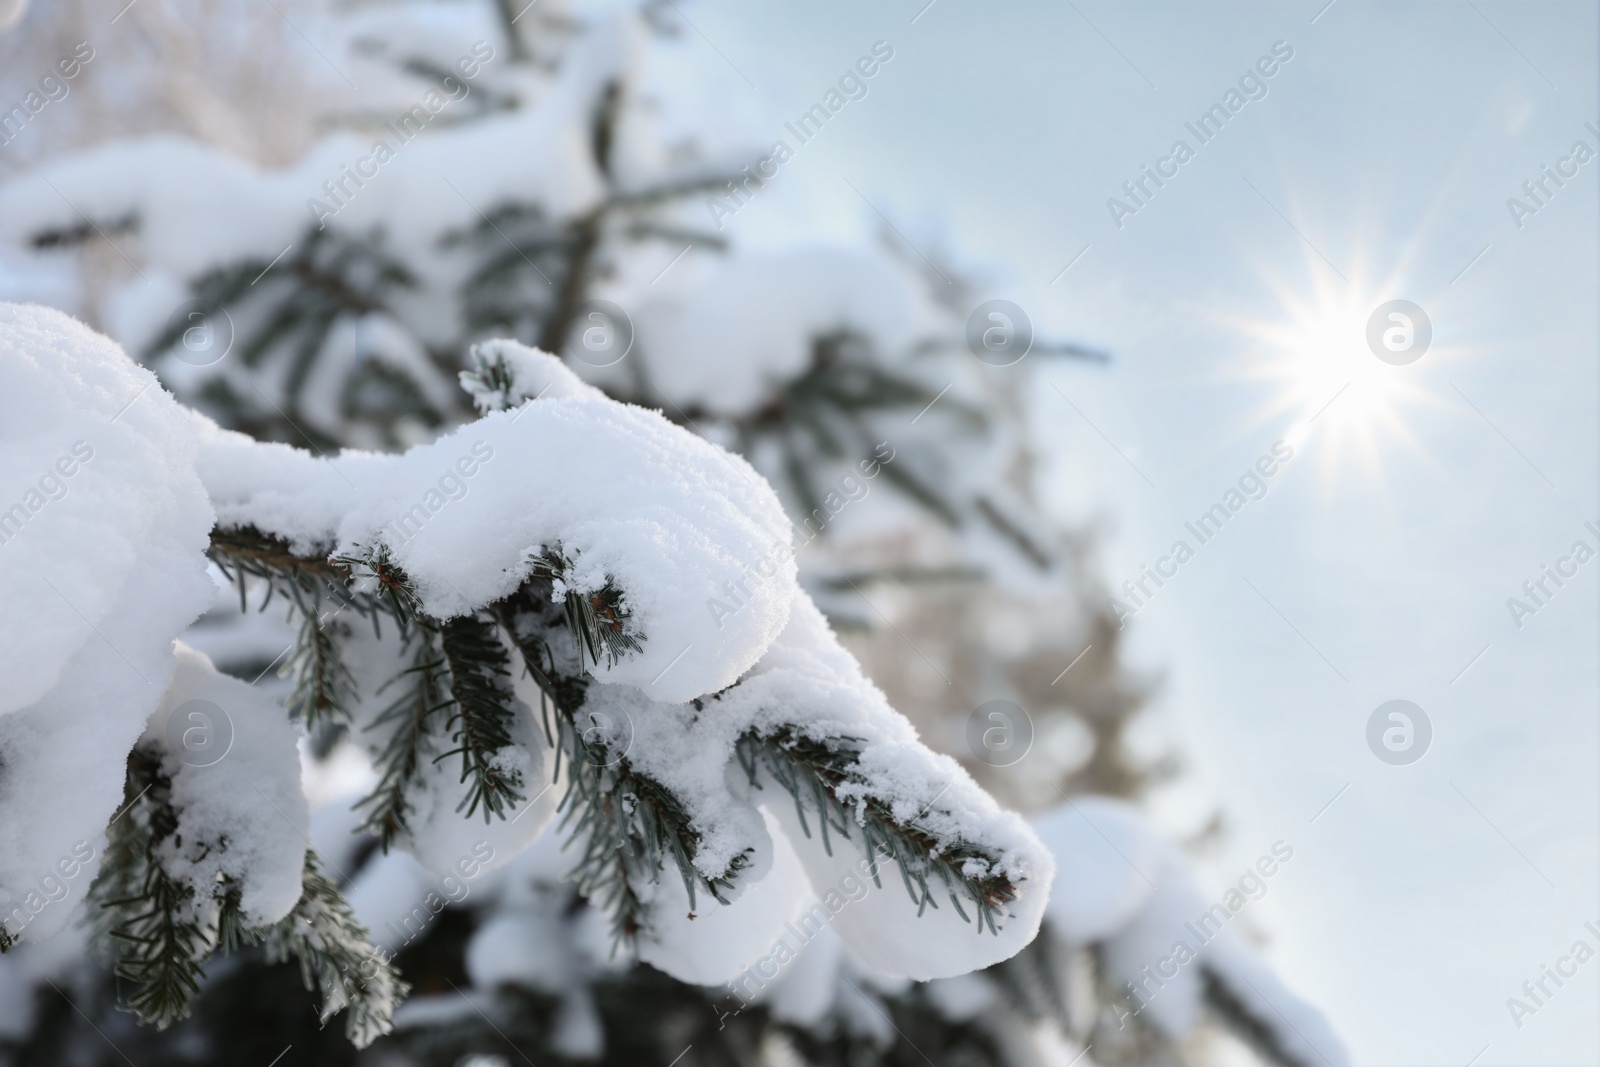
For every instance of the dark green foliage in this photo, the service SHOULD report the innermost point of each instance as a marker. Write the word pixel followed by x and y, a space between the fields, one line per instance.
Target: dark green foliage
pixel 409 716
pixel 324 689
pixel 283 313
pixel 598 618
pixel 156 928
pixel 630 825
pixel 482 712
pixel 163 937
pixel 816 773
pixel 336 958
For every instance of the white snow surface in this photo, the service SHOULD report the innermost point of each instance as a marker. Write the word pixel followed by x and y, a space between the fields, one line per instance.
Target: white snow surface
pixel 241 812
pixel 627 495
pixel 718 339
pixel 711 942
pixel 99 569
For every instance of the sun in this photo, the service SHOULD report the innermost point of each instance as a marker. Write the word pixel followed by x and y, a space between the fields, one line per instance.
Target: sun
pixel 1339 358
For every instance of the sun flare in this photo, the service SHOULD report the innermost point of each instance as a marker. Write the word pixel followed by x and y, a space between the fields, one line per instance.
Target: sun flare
pixel 1328 377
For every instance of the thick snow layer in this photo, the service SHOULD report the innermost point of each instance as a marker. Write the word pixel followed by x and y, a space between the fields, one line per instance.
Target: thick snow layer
pixel 711 942
pixel 102 539
pixel 227 209
pixel 720 341
pixel 231 755
pixel 807 681
pixel 628 496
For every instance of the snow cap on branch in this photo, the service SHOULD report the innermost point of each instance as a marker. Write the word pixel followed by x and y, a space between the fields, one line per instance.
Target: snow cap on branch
pixel 630 500
pixel 230 752
pixel 103 530
pixel 808 689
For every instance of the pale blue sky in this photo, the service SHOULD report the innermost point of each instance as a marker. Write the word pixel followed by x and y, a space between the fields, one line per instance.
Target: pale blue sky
pixel 1378 566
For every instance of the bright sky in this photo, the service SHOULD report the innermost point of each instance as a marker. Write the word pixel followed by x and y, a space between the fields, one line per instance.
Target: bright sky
pixel 1379 563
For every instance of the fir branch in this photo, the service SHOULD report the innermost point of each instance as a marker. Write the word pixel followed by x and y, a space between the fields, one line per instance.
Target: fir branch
pixel 630 824
pixel 233 933
pixel 245 552
pixel 163 936
pixel 163 949
pixel 491 381
pixel 153 921
pixel 824 777
pixel 337 959
pixel 597 618
pixel 376 580
pixel 324 687
pixel 483 712
pixel 409 715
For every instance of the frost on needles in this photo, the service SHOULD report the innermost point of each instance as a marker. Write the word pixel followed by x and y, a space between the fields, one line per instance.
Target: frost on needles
pixel 511 623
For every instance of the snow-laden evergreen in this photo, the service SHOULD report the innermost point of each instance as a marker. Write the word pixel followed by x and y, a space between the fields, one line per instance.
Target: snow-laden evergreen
pixel 573 714
pixel 608 505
